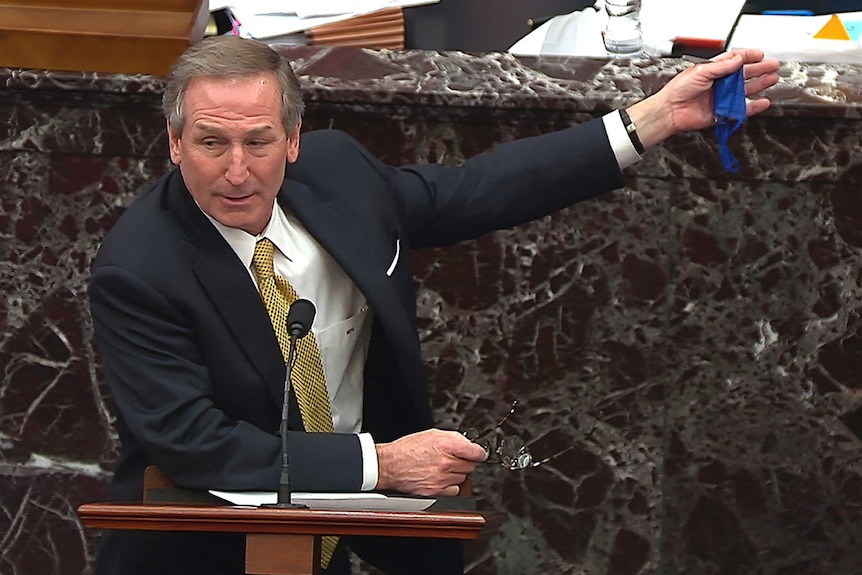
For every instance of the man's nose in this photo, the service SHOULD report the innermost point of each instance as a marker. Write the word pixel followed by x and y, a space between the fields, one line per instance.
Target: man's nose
pixel 237 168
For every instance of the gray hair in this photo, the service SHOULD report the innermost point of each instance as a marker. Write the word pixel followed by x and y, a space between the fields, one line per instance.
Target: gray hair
pixel 230 57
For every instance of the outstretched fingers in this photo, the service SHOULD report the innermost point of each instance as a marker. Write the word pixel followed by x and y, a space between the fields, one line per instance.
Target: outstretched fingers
pixel 756 106
pixel 760 83
pixel 762 68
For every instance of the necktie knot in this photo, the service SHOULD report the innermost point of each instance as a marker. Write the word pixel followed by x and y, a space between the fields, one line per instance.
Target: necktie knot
pixel 261 261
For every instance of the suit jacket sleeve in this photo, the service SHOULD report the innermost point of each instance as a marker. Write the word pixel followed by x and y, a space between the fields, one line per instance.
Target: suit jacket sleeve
pixel 514 183
pixel 438 205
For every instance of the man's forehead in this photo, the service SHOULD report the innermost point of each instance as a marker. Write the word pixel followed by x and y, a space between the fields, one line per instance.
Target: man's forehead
pixel 245 98
pixel 262 78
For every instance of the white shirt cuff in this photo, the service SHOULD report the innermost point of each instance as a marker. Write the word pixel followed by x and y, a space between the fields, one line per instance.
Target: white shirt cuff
pixel 620 142
pixel 369 462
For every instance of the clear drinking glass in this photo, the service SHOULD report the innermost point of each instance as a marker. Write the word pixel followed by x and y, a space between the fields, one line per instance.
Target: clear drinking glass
pixel 622 35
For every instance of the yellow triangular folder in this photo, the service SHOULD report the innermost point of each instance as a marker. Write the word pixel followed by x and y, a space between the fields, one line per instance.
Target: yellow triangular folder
pixel 833 30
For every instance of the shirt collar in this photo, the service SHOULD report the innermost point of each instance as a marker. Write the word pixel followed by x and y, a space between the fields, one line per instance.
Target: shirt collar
pixel 243 243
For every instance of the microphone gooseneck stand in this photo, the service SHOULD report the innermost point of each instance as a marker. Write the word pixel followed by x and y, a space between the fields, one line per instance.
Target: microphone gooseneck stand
pixel 299 319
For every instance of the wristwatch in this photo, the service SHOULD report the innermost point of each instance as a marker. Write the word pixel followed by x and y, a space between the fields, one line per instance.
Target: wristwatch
pixel 632 131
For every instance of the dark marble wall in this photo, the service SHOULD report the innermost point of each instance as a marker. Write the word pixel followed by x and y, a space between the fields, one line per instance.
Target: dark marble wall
pixel 693 339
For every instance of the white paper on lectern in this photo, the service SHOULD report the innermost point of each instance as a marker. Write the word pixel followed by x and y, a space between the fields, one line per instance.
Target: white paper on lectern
pixel 334 501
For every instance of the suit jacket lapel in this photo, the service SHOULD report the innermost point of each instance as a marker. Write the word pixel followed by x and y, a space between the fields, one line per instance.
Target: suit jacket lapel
pixel 237 300
pixel 365 253
pixel 227 283
pixel 356 248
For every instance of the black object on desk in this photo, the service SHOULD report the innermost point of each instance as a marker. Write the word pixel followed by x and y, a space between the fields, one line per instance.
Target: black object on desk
pixel 813 6
pixel 533 23
pixel 478 25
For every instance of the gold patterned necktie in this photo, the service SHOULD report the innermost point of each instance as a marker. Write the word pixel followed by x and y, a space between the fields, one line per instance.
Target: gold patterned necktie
pixel 309 383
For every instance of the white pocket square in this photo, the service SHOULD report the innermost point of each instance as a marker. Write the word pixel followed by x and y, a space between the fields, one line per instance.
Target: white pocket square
pixel 395 259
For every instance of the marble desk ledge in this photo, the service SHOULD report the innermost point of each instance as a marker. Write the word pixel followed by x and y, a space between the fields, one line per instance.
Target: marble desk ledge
pixel 491 80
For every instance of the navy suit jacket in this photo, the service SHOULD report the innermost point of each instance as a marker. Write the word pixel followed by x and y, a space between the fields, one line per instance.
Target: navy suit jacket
pixel 188 351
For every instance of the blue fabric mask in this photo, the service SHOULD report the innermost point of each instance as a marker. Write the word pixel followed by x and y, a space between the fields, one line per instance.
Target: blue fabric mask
pixel 728 102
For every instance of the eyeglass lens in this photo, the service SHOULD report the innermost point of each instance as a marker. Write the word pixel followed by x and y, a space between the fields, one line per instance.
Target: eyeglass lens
pixel 511 451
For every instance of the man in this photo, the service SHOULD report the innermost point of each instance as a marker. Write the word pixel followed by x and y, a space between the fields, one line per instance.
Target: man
pixel 181 299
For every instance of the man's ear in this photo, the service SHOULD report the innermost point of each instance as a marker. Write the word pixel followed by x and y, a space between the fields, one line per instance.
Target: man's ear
pixel 293 144
pixel 174 144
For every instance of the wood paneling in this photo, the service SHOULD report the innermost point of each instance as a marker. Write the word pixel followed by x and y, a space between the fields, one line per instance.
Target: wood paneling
pixel 135 37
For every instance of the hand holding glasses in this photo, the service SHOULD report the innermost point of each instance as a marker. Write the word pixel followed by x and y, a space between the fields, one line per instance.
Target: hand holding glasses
pixel 511 451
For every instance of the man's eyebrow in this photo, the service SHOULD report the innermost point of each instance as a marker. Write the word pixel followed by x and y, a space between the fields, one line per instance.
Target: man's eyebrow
pixel 263 130
pixel 214 128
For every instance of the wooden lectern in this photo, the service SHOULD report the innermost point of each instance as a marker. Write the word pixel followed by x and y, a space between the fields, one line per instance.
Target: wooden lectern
pixel 115 36
pixel 278 541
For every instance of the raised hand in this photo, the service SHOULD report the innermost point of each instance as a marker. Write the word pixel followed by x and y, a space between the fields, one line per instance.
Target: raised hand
pixel 685 102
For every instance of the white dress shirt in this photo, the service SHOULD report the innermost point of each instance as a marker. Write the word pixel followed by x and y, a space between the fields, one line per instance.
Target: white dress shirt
pixel 622 145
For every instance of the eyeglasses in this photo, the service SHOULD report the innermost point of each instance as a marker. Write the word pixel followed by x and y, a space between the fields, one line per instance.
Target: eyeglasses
pixel 511 451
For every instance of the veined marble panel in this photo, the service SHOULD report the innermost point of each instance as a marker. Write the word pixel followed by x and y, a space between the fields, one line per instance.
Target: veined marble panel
pixel 691 342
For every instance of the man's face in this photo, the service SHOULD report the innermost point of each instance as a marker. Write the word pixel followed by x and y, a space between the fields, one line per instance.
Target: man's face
pixel 233 148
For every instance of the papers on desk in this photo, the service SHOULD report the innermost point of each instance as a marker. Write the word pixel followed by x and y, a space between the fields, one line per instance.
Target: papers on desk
pixel 706 22
pixel 288 19
pixel 575 34
pixel 699 23
pixel 365 501
pixel 824 38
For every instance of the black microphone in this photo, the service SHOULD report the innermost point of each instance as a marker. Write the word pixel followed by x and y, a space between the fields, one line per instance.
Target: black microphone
pixel 300 316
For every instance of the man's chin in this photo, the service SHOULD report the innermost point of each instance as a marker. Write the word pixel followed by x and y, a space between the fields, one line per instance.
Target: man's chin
pixel 242 220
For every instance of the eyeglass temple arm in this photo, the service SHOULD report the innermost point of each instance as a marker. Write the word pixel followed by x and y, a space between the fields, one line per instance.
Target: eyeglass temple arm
pixel 488 432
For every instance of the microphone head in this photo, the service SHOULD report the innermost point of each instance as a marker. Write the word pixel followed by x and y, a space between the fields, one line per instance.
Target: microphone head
pixel 300 316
